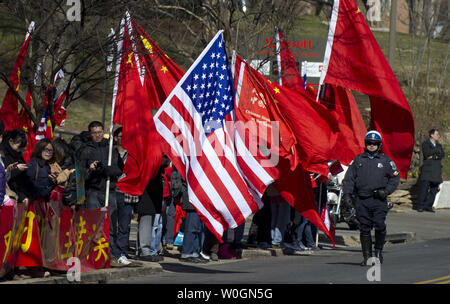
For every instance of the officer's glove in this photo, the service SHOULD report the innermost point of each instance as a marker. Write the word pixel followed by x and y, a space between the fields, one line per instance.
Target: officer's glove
pixel 347 200
pixel 380 194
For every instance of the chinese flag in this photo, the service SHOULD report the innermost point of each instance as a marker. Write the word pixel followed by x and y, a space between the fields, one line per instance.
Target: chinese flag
pixel 8 110
pixel 354 60
pixel 161 73
pixel 25 123
pixel 133 112
pixel 314 127
pixel 146 77
pixel 341 103
pixel 60 113
pixel 255 102
pixel 290 74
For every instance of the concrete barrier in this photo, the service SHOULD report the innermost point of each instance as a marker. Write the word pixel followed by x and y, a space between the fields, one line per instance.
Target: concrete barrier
pixel 442 199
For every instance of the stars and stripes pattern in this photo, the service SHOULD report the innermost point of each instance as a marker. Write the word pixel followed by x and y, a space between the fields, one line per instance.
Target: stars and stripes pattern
pixel 45 127
pixel 225 182
pixel 210 89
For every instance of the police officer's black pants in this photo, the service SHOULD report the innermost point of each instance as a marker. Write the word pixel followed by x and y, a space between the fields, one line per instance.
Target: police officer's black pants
pixel 371 213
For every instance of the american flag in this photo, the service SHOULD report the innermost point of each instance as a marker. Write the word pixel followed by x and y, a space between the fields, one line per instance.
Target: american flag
pixel 225 181
pixel 45 127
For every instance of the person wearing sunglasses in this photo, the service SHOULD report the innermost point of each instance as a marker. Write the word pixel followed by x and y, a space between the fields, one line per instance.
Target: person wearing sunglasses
pixel 370 178
pixel 39 172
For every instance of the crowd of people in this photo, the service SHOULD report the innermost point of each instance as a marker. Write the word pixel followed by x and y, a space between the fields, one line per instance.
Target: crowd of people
pixel 163 211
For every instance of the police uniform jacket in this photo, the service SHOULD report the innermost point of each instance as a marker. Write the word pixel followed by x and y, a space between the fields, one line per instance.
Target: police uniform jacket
pixel 431 169
pixel 366 174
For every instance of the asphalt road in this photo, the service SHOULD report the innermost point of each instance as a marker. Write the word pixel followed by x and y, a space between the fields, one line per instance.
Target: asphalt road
pixel 404 264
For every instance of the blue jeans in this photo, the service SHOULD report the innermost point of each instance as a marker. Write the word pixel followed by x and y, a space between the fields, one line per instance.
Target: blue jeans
pixel 124 214
pixel 168 225
pixel 145 234
pixel 193 234
pixel 156 234
pixel 280 219
pixel 96 199
pixel 305 233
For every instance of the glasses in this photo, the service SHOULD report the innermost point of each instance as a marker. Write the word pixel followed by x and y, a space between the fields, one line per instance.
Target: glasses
pixel 49 151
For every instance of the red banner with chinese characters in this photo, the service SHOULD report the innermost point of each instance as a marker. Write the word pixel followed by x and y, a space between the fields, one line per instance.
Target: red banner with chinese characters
pixel 47 234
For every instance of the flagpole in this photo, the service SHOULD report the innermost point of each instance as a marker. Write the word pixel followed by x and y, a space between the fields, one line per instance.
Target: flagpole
pixel 278 50
pixel 318 92
pixel 108 68
pixel 116 79
pixel 320 203
pixel 233 62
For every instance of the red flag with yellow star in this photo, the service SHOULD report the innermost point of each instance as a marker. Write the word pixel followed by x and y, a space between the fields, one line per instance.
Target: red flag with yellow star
pixel 290 74
pixel 25 123
pixel 8 110
pixel 145 77
pixel 161 73
pixel 255 102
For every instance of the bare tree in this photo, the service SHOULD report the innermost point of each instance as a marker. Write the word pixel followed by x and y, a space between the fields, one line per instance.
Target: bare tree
pixel 423 20
pixel 77 47
pixel 186 26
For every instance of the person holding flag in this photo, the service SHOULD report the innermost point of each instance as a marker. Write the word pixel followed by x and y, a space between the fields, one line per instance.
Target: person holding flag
pixel 370 178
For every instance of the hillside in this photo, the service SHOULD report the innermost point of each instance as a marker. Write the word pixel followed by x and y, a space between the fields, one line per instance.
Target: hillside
pixel 82 111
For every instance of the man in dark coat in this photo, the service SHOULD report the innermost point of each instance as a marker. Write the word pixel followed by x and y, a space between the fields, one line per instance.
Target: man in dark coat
pixel 94 162
pixel 430 172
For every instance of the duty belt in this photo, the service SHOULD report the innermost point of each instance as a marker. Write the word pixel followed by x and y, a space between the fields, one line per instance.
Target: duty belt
pixel 365 195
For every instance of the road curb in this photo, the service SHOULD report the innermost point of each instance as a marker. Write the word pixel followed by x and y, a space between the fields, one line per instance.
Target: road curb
pixel 97 276
pixel 352 240
pixel 104 275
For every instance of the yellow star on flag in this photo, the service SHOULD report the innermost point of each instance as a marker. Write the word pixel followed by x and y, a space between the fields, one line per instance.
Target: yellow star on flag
pixel 277 90
pixel 164 69
pixel 147 45
pixel 130 61
pixel 358 11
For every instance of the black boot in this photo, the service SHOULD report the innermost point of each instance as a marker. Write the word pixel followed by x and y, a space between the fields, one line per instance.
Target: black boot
pixel 379 243
pixel 366 246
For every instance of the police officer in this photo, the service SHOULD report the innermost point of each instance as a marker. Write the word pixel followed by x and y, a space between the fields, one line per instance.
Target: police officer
pixel 370 178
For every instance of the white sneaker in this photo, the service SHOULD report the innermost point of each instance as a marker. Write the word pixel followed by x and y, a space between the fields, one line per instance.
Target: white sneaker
pixel 123 260
pixel 205 256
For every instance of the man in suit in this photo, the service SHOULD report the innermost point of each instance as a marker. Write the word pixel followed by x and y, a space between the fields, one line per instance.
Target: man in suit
pixel 430 172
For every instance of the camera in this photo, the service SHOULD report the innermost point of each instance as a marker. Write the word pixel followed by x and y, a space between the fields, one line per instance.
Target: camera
pixel 99 165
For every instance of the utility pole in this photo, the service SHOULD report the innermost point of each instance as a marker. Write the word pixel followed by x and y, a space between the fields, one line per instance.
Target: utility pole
pixel 392 32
